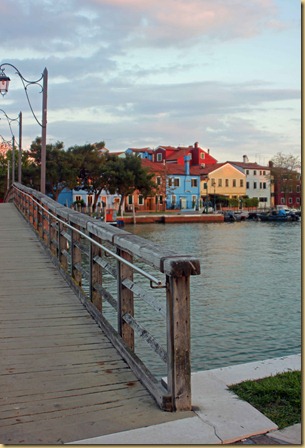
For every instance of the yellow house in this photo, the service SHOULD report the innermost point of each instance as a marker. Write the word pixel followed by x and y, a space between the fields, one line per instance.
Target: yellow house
pixel 223 179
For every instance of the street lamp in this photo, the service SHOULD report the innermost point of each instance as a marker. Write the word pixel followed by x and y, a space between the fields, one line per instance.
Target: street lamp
pixel 4 85
pixel 9 120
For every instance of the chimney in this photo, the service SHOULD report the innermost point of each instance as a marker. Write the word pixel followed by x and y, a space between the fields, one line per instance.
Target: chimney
pixel 270 164
pixel 245 159
pixel 196 145
pixel 187 165
pixel 208 150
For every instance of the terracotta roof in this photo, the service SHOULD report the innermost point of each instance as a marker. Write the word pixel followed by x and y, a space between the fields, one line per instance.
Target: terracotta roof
pixel 250 165
pixel 181 152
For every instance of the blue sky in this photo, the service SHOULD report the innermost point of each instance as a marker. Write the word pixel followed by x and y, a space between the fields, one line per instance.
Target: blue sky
pixel 135 73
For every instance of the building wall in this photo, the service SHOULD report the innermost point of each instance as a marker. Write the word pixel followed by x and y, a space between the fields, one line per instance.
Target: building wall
pixel 186 195
pixel 259 186
pixel 229 181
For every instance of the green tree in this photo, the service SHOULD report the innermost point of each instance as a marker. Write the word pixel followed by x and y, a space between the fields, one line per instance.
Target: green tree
pixel 91 161
pixel 126 175
pixel 61 167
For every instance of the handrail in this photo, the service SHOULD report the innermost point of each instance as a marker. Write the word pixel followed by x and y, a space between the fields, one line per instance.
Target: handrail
pixel 136 268
pixel 104 264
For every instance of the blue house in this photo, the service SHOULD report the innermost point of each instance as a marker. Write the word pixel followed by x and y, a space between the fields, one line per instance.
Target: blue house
pixel 183 186
pixel 67 197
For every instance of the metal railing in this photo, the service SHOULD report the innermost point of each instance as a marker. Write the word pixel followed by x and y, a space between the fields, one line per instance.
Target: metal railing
pixel 117 276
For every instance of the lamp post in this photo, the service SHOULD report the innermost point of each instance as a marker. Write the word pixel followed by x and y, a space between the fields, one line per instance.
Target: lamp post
pixel 10 143
pixel 10 120
pixel 4 85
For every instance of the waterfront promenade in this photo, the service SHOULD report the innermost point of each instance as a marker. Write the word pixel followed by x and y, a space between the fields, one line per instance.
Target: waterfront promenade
pixel 63 382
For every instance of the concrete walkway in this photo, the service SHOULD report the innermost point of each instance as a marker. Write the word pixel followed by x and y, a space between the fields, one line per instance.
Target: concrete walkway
pixel 221 417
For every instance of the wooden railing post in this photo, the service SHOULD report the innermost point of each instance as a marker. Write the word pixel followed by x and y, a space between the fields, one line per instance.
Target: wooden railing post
pixel 95 274
pixel 179 341
pixel 125 299
pixel 62 246
pixel 76 256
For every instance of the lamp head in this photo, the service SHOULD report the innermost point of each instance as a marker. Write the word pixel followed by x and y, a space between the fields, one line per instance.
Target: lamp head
pixel 4 82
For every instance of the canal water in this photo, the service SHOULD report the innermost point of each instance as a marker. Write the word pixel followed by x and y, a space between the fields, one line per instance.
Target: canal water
pixel 246 304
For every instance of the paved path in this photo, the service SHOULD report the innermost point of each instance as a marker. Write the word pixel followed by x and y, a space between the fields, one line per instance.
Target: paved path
pixel 60 378
pixel 221 417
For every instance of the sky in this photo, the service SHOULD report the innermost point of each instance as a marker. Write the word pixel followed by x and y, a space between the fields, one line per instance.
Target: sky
pixel 145 73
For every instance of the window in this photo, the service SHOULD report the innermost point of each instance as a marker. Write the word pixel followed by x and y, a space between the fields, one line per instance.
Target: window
pixel 264 185
pixel 298 189
pixel 158 180
pixel 194 182
pixel 264 173
pixel 254 185
pixel 130 197
pixel 89 200
pixel 261 185
pixel 78 198
pixel 174 182
pixel 174 199
pixel 159 157
pixel 260 173
pixel 282 201
pixel 247 172
pixel 254 172
pixel 227 182
pixel 213 182
pixel 141 199
pixel 241 182
pixel 263 200
pixel 202 155
pixel 290 201
pixel 161 199
pixel 220 182
pixel 234 183
pixel 297 200
pixel 248 185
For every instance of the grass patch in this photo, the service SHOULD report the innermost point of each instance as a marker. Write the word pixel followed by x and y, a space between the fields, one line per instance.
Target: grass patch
pixel 277 397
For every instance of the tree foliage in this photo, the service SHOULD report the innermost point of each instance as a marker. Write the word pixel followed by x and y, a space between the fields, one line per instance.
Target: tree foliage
pixel 61 169
pixel 126 175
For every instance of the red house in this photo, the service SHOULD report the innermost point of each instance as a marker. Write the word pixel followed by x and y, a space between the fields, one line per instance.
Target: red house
pixel 170 154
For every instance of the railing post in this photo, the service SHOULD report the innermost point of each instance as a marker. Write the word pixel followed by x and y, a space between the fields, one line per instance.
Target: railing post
pixel 125 299
pixel 76 256
pixel 95 273
pixel 53 233
pixel 62 246
pixel 40 220
pixel 179 341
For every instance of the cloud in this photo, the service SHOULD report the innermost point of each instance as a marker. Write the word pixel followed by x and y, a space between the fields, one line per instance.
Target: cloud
pixel 179 22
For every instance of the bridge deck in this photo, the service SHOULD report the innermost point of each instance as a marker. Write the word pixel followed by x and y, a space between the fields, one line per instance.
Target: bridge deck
pixel 60 378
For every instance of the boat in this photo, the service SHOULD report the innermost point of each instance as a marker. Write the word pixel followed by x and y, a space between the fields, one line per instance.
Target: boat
pixel 275 216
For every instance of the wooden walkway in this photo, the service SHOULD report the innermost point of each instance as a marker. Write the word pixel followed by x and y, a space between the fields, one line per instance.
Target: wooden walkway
pixel 60 378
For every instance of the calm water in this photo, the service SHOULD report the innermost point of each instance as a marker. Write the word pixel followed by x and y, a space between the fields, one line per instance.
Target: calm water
pixel 246 304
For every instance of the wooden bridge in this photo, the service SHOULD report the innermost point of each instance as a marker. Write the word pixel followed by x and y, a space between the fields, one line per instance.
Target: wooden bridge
pixel 69 368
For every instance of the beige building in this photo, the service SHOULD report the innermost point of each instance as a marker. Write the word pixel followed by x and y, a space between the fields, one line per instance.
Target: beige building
pixel 224 179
